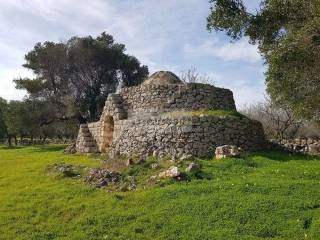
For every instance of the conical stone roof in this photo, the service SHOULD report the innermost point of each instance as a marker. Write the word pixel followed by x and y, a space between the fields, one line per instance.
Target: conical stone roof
pixel 162 78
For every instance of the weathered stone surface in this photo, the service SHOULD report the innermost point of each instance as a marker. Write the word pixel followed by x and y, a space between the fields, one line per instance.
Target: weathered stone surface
pixel 66 170
pixel 193 168
pixel 314 149
pixel 163 78
pixel 227 151
pixel 172 172
pixel 71 148
pixel 129 162
pixel 185 156
pixel 153 179
pixel 138 120
pixel 154 166
pixel 128 185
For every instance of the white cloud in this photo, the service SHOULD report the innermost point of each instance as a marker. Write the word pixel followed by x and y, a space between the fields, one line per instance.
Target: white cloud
pixel 244 92
pixel 7 89
pixel 154 31
pixel 238 51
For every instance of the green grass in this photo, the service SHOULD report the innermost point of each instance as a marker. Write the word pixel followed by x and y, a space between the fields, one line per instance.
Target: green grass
pixel 267 195
pixel 209 113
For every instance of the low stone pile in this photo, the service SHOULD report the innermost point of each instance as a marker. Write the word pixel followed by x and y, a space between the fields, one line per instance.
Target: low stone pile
pixel 29 142
pixel 99 177
pixel 304 146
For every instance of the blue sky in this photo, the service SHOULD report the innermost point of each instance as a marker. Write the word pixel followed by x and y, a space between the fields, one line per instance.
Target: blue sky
pixel 165 35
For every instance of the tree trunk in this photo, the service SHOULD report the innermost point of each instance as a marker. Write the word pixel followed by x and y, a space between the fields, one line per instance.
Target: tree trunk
pixel 9 141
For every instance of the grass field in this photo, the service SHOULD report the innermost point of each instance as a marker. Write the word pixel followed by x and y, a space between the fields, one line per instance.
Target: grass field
pixel 267 195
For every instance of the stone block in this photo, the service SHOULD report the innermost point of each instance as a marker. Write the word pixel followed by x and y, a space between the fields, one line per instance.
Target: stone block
pixel 227 151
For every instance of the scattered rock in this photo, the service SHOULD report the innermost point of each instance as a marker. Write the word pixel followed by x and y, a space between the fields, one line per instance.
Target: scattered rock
pixel 114 154
pixel 172 172
pixel 299 145
pixel 142 159
pixel 128 185
pixel 132 187
pixel 129 162
pixel 153 178
pixel 124 187
pixel 66 170
pixel 227 151
pixel 102 177
pixel 193 168
pixel 71 148
pixel 155 153
pixel 155 166
pixel 314 149
pixel 185 157
pixel 150 152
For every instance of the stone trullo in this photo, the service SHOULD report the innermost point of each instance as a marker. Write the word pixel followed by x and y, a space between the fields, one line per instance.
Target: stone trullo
pixel 167 117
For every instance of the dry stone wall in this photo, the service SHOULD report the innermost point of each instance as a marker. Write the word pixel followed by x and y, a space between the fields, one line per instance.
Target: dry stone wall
pixel 165 98
pixel 300 145
pixel 95 130
pixel 85 141
pixel 185 136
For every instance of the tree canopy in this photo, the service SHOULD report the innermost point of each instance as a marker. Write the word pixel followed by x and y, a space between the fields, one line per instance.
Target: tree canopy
pixel 287 33
pixel 3 128
pixel 75 77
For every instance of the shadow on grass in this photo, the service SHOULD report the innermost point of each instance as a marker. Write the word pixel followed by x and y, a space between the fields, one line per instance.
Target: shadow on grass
pixel 283 156
pixel 37 148
pixel 50 148
pixel 4 147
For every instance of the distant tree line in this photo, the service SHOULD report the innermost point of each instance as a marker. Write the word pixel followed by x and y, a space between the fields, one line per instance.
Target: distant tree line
pixel 22 120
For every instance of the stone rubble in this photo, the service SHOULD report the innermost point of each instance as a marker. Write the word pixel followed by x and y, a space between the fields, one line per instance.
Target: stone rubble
pixel 193 168
pixel 129 162
pixel 99 177
pixel 172 172
pixel 299 145
pixel 128 185
pixel 227 151
pixel 154 166
pixel 67 170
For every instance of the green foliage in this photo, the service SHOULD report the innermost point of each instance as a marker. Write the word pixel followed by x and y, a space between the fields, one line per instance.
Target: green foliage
pixel 75 77
pixel 3 127
pixel 14 115
pixel 287 33
pixel 23 119
pixel 266 195
pixel 229 16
